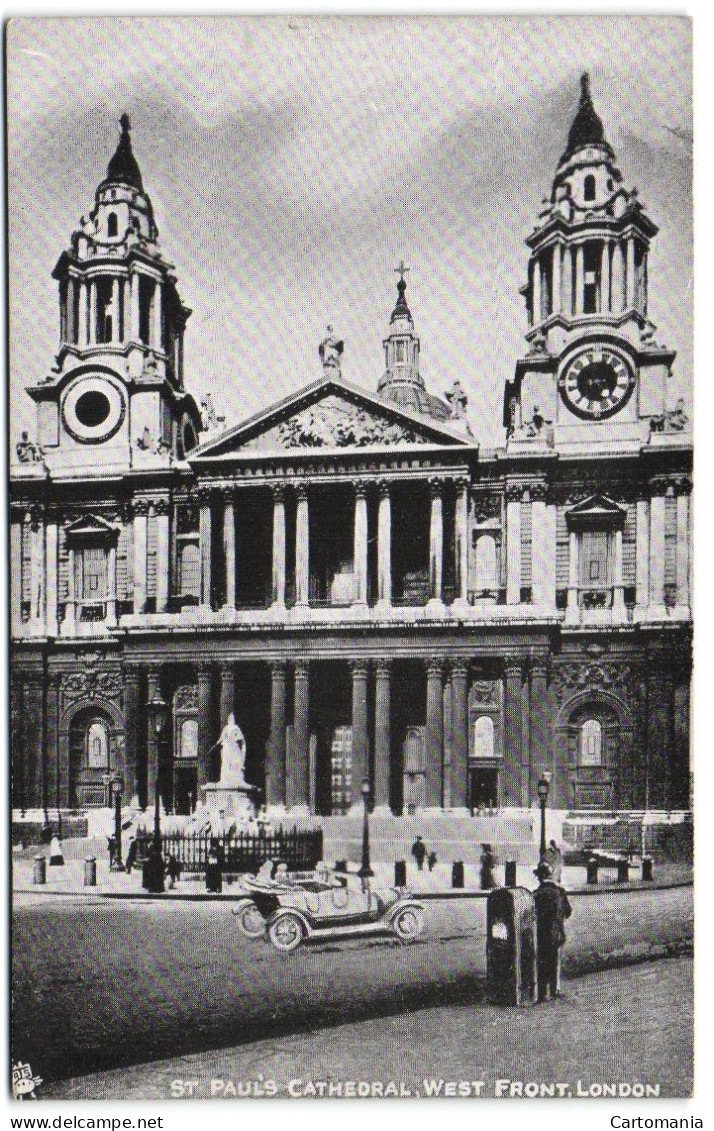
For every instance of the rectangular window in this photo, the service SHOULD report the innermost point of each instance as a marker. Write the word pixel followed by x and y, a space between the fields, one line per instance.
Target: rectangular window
pixel 595 569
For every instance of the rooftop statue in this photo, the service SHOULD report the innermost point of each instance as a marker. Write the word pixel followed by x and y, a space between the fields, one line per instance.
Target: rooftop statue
pixel 330 352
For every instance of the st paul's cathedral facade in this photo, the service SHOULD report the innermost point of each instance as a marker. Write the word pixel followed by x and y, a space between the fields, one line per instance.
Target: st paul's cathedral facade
pixel 371 592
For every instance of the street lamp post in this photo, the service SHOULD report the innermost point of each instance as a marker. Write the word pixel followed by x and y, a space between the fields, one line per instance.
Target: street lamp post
pixel 117 786
pixel 543 788
pixel 365 871
pixel 155 861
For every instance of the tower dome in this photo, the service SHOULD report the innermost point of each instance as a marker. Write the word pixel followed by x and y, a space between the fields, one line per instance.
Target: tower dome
pixel 402 382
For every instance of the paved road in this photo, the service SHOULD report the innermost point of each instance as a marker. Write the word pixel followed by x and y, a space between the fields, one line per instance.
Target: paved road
pixel 99 984
pixel 629 1027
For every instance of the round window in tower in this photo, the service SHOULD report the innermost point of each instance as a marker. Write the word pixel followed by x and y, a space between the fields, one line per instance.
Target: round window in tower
pixel 93 409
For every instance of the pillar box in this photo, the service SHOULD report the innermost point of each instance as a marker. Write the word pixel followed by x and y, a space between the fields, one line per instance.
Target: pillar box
pixel 510 946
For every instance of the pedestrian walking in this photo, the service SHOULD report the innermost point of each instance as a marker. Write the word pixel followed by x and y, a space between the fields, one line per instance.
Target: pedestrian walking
pixel 112 846
pixel 173 870
pixel 487 862
pixel 131 855
pixel 419 853
pixel 554 857
pixel 214 867
pixel 431 860
pixel 552 908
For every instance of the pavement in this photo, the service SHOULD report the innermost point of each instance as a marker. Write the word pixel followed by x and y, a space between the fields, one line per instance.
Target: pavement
pixel 629 1029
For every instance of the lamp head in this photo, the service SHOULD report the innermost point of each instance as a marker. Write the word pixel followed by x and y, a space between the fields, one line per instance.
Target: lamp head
pixel 365 788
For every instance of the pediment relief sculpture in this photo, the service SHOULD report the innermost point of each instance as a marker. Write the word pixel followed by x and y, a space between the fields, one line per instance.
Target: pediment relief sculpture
pixel 334 424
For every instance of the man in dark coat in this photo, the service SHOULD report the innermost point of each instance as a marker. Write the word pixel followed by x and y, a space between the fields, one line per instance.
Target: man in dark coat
pixel 552 908
pixel 419 852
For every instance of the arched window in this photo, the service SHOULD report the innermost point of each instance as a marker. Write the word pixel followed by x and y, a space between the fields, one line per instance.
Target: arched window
pixel 589 190
pixel 188 739
pixel 591 743
pixel 97 745
pixel 486 565
pixel 483 738
pixel 112 224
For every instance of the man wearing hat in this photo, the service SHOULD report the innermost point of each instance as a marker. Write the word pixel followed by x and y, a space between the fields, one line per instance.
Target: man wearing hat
pixel 552 908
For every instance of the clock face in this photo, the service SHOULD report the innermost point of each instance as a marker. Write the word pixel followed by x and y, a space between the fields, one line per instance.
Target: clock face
pixel 93 409
pixel 596 384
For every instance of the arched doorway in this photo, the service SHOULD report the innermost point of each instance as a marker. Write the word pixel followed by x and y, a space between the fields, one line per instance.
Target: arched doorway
pixel 597 732
pixel 92 757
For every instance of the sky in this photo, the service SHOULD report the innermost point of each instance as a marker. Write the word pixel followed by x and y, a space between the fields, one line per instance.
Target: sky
pixel 293 161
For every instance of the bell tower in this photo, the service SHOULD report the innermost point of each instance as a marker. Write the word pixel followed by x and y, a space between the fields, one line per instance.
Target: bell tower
pixel 117 382
pixel 594 373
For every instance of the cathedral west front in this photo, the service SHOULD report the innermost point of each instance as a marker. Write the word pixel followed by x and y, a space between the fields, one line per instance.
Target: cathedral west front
pixel 373 593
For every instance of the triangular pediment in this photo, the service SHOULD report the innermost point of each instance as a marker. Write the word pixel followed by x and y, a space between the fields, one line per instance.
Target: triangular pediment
pixel 91 525
pixel 596 509
pixel 329 415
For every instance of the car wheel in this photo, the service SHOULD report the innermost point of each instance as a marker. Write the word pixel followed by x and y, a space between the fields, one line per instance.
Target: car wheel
pixel 286 933
pixel 408 923
pixel 250 922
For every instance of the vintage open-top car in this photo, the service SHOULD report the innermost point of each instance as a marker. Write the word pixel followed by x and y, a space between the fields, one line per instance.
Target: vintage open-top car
pixel 292 909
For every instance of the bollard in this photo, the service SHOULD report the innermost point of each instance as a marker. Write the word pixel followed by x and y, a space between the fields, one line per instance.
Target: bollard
pixel 457 874
pixel 341 866
pixel 647 875
pixel 591 868
pixel 39 870
pixel 90 872
pixel 510 873
pixel 623 871
pixel 400 873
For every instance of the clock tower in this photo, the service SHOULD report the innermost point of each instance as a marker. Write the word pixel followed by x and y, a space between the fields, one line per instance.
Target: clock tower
pixel 115 397
pixel 594 377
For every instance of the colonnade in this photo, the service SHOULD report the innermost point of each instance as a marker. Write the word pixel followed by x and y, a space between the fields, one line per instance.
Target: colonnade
pixel 79 312
pixel 558 278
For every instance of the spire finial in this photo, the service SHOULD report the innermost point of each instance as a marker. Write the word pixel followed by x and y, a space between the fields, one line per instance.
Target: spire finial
pixel 401 270
pixel 125 123
pixel 585 87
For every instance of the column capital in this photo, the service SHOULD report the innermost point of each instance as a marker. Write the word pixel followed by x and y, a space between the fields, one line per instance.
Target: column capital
pixel 538 667
pixel 36 515
pixel 459 669
pixel 359 667
pixel 204 671
pixel 278 668
pixel 130 673
pixel 228 494
pixel 462 482
pixel 436 486
pixel 683 485
pixel 360 489
pixel 225 668
pixel 278 492
pixel 435 667
pixel 161 507
pixel 538 492
pixel 140 507
pixel 514 492
pixel 383 669
pixel 301 491
pixel 302 669
pixel 513 664
pixel 203 496
pixel 384 488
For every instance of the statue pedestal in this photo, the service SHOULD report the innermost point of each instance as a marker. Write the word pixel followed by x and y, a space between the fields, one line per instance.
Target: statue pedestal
pixel 231 800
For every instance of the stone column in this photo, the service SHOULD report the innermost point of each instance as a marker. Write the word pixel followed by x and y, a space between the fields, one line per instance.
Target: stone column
pixel 573 612
pixel 630 284
pixel 462 543
pixel 567 282
pixel 37 568
pixel 556 278
pixel 618 592
pixel 279 546
pixel 51 545
pixel 360 544
pixel 657 506
pixel 617 282
pixel 16 574
pixel 579 278
pixel 543 548
pixel 436 542
pixel 141 513
pixel 205 537
pixel 156 342
pixel 434 733
pixel 275 762
pixel 384 544
pixel 135 321
pixel 126 310
pixel 161 511
pixel 605 302
pixel 111 619
pixel 298 773
pixel 131 703
pixel 115 309
pixel 382 736
pixel 513 544
pixel 92 336
pixel 540 729
pixel 55 784
pixel 302 548
pixel 206 725
pixel 229 547
pixel 152 745
pixel 33 739
pixel 71 606
pixel 537 294
pixel 459 736
pixel 642 554
pixel 360 737
pixel 515 780
pixel 228 693
pixel 684 487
